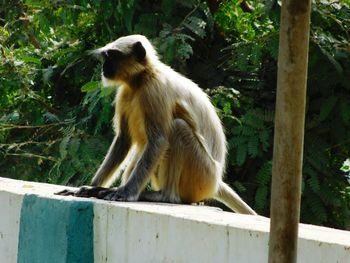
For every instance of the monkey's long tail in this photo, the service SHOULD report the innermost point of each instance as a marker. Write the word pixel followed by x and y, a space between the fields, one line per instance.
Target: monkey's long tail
pixel 232 200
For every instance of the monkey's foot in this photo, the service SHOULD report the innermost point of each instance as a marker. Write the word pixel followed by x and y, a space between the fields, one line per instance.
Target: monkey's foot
pixel 153 196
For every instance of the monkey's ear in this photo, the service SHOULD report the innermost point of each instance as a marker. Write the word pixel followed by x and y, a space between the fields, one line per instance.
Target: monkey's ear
pixel 139 51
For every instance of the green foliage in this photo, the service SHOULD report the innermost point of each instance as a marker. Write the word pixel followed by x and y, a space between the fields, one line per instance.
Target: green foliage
pixel 263 180
pixel 249 132
pixel 55 117
pixel 241 25
pixel 251 58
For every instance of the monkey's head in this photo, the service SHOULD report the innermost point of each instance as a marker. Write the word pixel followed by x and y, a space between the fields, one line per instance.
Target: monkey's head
pixel 126 58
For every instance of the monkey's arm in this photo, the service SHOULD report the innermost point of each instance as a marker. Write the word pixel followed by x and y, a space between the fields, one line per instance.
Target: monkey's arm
pixel 115 155
pixel 153 151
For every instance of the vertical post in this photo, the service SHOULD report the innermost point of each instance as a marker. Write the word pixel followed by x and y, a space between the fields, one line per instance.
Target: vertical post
pixel 289 130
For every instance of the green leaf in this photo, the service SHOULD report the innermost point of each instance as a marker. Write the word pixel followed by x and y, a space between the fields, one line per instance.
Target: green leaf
pixel 346 166
pixel 264 136
pixel 235 141
pixel 196 25
pixel 328 195
pixel 74 146
pixel 50 117
pixel 248 131
pixel 318 208
pixel 254 119
pixel 227 108
pixel 107 91
pixel 184 50
pixel 169 49
pixel 239 187
pixel 241 154
pixel 29 59
pixel 63 147
pixel 314 183
pixel 253 146
pixel 261 198
pixel 263 177
pixel 91 86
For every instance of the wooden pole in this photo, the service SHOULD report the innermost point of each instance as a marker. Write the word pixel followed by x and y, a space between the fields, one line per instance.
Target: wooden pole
pixel 289 130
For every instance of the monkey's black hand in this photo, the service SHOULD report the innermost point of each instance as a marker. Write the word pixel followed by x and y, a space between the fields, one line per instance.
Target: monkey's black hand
pixel 120 194
pixel 67 192
pixel 84 191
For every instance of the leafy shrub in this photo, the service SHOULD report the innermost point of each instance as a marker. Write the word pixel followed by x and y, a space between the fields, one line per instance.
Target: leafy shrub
pixel 325 190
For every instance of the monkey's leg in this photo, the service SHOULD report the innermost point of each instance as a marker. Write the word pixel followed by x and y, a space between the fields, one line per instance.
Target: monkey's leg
pixel 197 178
pixel 201 175
pixel 152 196
pixel 186 174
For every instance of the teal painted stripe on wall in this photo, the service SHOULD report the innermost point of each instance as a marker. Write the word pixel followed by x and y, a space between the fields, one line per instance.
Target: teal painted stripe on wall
pixel 55 231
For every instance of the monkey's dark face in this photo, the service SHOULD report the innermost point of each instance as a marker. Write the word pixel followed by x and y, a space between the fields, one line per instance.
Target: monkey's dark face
pixel 113 59
pixel 122 66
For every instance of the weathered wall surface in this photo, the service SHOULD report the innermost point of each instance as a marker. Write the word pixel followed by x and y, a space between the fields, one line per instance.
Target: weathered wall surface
pixel 37 226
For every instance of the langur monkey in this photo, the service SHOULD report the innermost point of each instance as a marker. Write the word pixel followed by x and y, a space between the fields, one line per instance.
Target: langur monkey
pixel 166 132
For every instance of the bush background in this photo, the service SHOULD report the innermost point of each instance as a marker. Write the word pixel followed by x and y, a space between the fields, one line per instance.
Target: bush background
pixel 55 118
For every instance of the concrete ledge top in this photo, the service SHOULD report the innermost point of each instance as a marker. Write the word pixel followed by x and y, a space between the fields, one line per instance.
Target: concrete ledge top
pixel 204 214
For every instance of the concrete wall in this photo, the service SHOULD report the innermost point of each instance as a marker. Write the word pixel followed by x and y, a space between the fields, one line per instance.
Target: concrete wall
pixel 37 226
